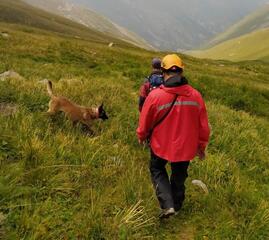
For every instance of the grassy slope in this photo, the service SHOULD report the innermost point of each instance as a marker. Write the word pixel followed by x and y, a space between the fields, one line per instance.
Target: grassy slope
pixel 255 21
pixel 56 183
pixel 16 11
pixel 252 46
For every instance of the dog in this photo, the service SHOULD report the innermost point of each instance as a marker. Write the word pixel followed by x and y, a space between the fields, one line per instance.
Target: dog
pixel 77 114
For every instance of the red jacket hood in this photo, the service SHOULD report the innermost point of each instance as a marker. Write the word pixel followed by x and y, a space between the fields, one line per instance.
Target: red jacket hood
pixel 184 90
pixel 177 85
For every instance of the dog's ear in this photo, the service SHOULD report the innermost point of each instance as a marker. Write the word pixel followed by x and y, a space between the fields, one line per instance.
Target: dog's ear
pixel 101 107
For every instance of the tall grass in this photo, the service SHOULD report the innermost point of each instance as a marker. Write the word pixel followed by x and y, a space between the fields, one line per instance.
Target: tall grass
pixel 58 183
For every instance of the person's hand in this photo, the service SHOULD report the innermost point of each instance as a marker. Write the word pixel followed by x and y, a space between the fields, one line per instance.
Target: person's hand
pixel 141 142
pixel 201 154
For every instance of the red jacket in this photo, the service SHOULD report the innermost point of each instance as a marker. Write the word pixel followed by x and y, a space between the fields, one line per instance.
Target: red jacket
pixel 144 92
pixel 184 130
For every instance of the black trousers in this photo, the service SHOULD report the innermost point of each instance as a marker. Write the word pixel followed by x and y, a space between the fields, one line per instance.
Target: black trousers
pixel 170 191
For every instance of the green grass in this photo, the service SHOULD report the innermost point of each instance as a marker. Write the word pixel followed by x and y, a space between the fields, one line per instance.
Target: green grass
pixel 57 183
pixel 19 12
pixel 252 46
pixel 252 22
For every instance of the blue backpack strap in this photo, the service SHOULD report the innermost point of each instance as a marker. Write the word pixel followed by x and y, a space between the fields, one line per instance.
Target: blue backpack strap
pixel 156 80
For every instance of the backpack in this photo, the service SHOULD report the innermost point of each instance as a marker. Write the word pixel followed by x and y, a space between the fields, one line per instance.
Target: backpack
pixel 155 80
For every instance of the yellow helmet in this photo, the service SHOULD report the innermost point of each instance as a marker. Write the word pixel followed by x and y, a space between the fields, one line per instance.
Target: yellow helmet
pixel 171 61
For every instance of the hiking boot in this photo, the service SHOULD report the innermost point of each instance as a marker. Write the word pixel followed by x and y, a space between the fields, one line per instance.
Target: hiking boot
pixel 166 213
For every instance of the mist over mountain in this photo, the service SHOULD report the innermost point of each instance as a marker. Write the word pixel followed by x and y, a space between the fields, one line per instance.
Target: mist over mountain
pixel 88 18
pixel 174 24
pixel 256 20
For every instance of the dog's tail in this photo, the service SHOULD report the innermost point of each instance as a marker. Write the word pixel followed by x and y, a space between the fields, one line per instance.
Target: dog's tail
pixel 49 88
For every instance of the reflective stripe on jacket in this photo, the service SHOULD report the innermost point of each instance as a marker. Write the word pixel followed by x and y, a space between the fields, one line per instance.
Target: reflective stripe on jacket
pixel 184 130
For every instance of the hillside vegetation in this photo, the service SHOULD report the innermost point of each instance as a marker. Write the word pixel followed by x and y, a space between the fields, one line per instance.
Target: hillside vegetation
pixel 18 12
pixel 58 183
pixel 252 22
pixel 252 46
pixel 89 18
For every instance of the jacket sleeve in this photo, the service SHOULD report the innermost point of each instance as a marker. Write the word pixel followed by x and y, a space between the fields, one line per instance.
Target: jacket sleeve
pixel 204 130
pixel 144 91
pixel 141 103
pixel 146 120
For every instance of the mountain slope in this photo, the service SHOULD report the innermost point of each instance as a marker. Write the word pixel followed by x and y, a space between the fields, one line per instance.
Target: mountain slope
pixel 58 183
pixel 252 46
pixel 253 22
pixel 88 18
pixel 174 24
pixel 16 11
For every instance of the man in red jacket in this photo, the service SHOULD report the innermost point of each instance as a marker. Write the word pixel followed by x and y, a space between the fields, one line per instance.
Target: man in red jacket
pixel 174 118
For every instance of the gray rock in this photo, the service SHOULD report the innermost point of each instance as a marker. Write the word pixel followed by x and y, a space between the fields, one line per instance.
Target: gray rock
pixel 200 184
pixel 4 35
pixel 11 74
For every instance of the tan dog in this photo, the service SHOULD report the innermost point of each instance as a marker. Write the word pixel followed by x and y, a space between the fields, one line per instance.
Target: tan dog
pixel 74 112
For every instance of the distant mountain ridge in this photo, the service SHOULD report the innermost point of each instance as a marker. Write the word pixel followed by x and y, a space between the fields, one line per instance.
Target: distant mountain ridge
pixel 89 19
pixel 246 40
pixel 174 24
pixel 253 22
pixel 21 13
pixel 251 46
